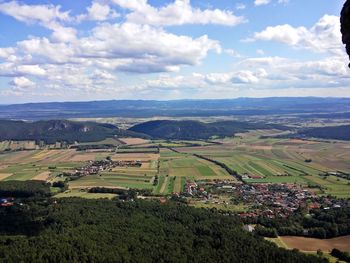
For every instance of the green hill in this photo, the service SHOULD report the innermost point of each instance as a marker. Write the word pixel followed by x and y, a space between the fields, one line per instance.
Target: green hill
pixel 59 130
pixel 189 130
pixel 335 132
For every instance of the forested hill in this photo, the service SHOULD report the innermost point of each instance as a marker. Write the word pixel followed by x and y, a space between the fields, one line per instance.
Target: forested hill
pixel 58 130
pixel 81 230
pixel 191 130
pixel 335 132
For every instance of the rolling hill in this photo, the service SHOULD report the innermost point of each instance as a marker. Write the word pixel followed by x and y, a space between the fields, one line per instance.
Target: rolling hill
pixel 59 130
pixel 334 132
pixel 192 130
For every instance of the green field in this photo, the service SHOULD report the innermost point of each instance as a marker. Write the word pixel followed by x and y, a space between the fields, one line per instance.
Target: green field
pixel 84 194
pixel 176 168
pixel 282 161
pixel 108 180
pixel 275 160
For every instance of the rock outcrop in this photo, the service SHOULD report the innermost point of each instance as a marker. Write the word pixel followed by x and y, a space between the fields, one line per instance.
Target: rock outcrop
pixel 345 26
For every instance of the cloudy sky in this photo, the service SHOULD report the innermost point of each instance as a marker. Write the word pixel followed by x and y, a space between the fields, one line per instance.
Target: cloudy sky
pixel 170 49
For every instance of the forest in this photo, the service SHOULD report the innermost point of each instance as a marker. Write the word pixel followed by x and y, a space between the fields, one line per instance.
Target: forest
pixel 322 223
pixel 193 130
pixel 73 229
pixel 59 130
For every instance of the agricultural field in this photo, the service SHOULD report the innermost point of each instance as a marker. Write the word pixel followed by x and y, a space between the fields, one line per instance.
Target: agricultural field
pixel 264 160
pixel 257 159
pixel 133 141
pixel 326 245
pixel 175 168
pixel 111 141
pixel 84 194
pixel 17 145
pixel 311 245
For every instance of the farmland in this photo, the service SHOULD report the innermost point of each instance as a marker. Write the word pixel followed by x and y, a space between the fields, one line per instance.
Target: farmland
pixel 311 245
pixel 271 160
pixel 257 159
pixel 176 168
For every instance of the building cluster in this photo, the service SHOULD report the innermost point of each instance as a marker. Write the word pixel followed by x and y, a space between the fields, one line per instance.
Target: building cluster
pixel 95 167
pixel 273 200
pixel 4 202
pixel 264 199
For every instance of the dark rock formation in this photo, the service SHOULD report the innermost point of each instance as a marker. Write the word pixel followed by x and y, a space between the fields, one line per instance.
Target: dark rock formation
pixel 345 25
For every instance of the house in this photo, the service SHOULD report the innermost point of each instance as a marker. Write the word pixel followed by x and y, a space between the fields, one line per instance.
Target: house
pixel 248 228
pixel 5 202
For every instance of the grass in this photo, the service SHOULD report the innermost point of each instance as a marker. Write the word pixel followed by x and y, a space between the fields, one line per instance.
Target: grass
pixel 78 193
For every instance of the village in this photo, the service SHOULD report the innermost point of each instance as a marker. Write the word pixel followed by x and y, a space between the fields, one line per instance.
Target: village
pixel 261 199
pixel 95 167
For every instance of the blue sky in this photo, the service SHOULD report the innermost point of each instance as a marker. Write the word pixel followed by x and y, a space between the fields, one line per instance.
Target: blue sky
pixel 138 49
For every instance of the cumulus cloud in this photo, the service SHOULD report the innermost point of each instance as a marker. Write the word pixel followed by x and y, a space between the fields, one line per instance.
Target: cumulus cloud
pixel 48 16
pixel 31 70
pixel 98 12
pixel 20 83
pixel 179 12
pixel 44 14
pixel 324 36
pixel 6 52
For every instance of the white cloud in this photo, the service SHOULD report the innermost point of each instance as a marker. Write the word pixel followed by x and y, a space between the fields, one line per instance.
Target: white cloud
pixel 22 83
pixel 48 16
pixel 63 34
pixel 261 2
pixel 283 33
pixel 150 48
pixel 98 12
pixel 6 52
pixel 179 12
pixel 43 14
pixel 244 77
pixel 42 50
pixel 31 70
pixel 324 36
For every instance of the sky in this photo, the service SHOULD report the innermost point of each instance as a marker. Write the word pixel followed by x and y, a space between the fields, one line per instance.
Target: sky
pixel 170 49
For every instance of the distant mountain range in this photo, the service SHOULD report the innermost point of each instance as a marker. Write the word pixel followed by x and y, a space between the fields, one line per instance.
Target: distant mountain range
pixel 59 130
pixel 194 130
pixel 177 108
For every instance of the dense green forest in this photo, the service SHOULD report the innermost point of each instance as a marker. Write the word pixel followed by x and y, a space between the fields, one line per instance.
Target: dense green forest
pixel 335 132
pixel 322 223
pixel 59 130
pixel 192 130
pixel 22 189
pixel 82 230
